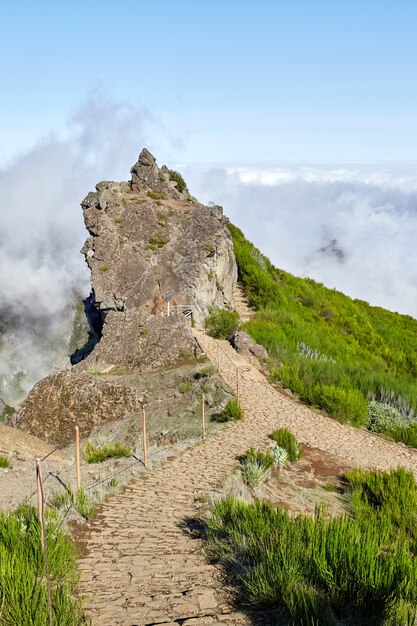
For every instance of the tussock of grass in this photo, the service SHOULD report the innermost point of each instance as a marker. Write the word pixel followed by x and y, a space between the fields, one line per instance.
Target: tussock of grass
pixel 156 195
pixel 335 353
pixel 80 500
pixel 254 473
pixel 360 567
pixel 263 458
pixel 4 461
pixel 185 387
pixel 155 242
pixel 231 412
pixel 98 453
pixel 206 371
pixel 23 594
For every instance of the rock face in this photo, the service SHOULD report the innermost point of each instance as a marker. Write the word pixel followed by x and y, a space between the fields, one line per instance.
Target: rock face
pixel 149 239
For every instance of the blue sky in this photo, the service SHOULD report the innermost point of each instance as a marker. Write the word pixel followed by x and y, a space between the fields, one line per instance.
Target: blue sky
pixel 229 80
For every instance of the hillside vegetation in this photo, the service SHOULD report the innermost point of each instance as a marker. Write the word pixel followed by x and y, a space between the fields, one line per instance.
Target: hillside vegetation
pixel 355 361
pixel 23 586
pixel 360 567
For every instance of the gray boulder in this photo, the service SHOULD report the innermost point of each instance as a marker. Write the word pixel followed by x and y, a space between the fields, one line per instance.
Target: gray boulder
pixel 244 344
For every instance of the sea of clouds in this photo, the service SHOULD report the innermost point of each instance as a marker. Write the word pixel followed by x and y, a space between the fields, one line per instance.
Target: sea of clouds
pixel 351 226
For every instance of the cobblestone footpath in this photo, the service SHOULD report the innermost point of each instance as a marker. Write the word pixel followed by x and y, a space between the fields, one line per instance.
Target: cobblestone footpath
pixel 141 568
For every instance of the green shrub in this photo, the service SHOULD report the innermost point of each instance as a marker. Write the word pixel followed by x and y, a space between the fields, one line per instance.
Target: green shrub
pixel 23 593
pixel 358 568
pixel 177 178
pixel 104 268
pixel 285 439
pixel 97 454
pixel 254 473
pixel 262 458
pixel 4 461
pixel 231 412
pixel 222 323
pixel 406 434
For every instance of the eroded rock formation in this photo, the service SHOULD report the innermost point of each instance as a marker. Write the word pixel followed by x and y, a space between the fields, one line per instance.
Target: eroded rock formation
pixel 148 238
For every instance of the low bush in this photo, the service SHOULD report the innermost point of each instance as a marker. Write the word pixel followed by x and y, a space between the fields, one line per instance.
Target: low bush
pixel 23 592
pixel 280 456
pixel 358 568
pixel 285 439
pixel 346 405
pixel 97 454
pixel 231 412
pixel 384 418
pixel 222 323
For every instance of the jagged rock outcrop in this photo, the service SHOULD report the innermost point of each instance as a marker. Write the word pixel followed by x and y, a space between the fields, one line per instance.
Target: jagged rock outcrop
pixel 148 237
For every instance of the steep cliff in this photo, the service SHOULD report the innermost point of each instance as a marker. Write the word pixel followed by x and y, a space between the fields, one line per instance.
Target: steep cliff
pixel 152 250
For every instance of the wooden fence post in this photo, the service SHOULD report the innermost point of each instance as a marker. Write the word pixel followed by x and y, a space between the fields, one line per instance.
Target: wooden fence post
pixel 77 457
pixel 41 508
pixel 145 451
pixel 40 498
pixel 203 423
pixel 237 384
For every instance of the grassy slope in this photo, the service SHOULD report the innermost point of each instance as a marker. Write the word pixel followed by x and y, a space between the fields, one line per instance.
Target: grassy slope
pixel 334 352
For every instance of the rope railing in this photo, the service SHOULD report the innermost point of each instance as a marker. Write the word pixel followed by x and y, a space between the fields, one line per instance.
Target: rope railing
pixel 75 468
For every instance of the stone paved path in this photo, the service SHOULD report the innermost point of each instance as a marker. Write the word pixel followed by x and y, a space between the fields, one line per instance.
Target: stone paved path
pixel 141 568
pixel 240 300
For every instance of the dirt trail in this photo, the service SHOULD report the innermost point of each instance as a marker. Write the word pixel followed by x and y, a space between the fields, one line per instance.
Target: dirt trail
pixel 141 568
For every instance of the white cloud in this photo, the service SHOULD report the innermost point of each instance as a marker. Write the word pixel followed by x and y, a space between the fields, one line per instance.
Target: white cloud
pixel 351 226
pixel 42 230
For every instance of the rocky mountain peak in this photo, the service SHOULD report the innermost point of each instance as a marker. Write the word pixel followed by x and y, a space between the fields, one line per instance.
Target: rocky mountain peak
pixel 146 174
